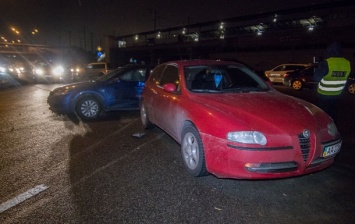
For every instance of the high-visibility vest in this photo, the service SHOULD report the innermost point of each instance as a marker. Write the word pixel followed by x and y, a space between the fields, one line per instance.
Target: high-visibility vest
pixel 334 82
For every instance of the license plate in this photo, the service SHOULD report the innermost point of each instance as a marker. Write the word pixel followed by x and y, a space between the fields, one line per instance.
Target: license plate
pixel 331 150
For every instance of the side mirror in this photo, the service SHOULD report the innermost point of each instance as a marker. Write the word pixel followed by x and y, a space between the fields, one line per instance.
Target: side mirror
pixel 169 87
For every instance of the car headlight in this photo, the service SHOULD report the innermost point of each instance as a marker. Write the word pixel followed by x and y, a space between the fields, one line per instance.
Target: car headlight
pixel 60 91
pixel 332 129
pixel 248 137
pixel 59 70
pixel 39 71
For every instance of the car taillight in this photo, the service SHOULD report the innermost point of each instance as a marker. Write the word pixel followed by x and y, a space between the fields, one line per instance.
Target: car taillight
pixel 285 75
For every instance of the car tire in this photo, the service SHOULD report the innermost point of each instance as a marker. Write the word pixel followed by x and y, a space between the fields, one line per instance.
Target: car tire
pixel 88 108
pixel 145 117
pixel 351 88
pixel 192 151
pixel 297 84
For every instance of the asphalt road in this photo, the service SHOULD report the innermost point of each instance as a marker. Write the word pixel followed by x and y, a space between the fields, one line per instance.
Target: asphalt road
pixel 56 169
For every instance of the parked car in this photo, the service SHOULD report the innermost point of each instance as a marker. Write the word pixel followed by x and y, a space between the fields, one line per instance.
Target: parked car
pixel 276 75
pixel 49 71
pixel 118 90
pixel 91 71
pixel 231 123
pixel 299 79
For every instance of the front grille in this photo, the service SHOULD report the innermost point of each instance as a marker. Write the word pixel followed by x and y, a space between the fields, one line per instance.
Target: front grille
pixel 305 145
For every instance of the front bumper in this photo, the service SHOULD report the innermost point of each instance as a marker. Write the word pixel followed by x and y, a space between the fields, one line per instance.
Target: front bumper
pixel 225 160
pixel 60 104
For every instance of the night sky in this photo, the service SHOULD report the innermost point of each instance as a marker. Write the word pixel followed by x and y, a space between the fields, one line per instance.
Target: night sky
pixel 57 19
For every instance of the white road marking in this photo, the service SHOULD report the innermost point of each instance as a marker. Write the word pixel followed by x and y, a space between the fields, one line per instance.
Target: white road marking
pixel 22 197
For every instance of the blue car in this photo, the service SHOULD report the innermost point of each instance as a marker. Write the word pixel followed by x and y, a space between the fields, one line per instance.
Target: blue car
pixel 120 89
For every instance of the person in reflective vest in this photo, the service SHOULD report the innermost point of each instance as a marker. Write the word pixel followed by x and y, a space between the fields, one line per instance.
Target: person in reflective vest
pixel 332 74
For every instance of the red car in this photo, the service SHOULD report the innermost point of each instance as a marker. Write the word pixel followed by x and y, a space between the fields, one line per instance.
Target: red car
pixel 231 123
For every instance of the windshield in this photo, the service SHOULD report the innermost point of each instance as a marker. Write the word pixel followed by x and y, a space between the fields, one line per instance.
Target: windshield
pixel 231 78
pixel 110 74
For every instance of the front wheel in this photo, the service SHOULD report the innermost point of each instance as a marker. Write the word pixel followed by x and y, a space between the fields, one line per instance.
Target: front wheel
pixel 88 108
pixel 144 117
pixel 192 152
pixel 297 85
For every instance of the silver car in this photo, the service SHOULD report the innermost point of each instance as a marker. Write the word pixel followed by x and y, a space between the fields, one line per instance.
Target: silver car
pixel 277 74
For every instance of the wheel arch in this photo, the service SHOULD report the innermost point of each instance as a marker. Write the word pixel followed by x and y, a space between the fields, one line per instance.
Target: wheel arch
pixel 88 94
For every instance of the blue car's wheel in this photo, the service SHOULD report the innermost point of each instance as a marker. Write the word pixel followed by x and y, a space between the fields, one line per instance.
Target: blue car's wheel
pixel 88 108
pixel 192 151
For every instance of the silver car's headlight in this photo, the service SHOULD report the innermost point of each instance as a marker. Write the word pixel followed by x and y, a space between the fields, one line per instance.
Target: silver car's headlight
pixel 39 71
pixel 248 137
pixel 59 70
pixel 332 129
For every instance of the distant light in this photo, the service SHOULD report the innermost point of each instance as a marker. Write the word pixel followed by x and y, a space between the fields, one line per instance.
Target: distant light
pixel 196 37
pixel 311 28
pixel 158 35
pixel 136 37
pixel 275 18
pixel 259 33
pixel 184 31
pixel 221 26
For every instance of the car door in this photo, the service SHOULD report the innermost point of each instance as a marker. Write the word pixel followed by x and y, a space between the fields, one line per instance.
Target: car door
pixel 309 76
pixel 124 90
pixel 169 102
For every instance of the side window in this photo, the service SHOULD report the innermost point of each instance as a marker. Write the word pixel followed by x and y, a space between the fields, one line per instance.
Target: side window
pixel 295 67
pixel 280 68
pixel 156 73
pixel 126 76
pixel 136 75
pixel 98 66
pixel 170 75
pixel 290 67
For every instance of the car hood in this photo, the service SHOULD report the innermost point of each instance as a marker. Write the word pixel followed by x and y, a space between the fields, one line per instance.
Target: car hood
pixel 265 111
pixel 81 86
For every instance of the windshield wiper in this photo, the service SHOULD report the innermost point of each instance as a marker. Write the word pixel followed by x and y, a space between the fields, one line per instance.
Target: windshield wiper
pixel 244 89
pixel 206 91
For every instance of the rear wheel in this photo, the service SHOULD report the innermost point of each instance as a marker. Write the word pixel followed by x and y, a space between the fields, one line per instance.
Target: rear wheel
pixel 351 88
pixel 144 117
pixel 88 108
pixel 192 152
pixel 297 85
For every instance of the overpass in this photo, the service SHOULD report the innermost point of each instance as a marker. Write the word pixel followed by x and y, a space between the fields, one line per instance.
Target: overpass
pixel 293 35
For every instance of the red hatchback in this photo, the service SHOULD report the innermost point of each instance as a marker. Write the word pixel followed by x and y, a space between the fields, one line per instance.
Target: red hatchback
pixel 231 123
